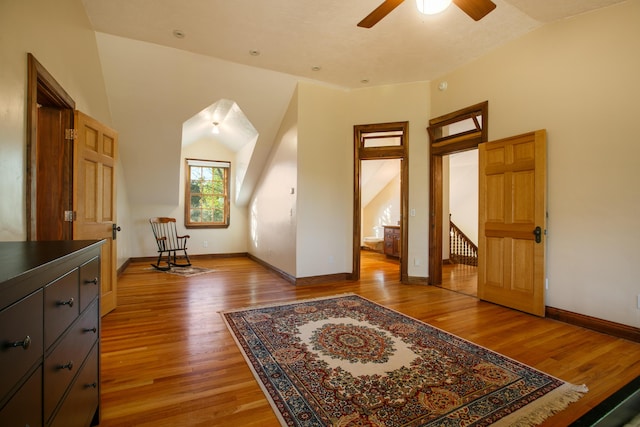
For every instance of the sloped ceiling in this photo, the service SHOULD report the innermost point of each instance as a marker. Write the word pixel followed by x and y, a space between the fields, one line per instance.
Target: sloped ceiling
pixel 293 36
pixel 153 90
pixel 156 81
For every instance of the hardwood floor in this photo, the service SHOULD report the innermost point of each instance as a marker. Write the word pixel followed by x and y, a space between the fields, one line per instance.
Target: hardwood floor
pixel 168 359
pixel 460 278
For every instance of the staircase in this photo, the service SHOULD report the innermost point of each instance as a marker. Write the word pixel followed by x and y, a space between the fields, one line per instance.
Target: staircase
pixel 461 249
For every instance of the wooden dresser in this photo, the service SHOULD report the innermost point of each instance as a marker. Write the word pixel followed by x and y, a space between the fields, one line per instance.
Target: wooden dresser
pixel 50 333
pixel 392 241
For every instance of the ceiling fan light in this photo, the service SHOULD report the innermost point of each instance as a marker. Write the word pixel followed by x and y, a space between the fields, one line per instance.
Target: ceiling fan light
pixel 431 7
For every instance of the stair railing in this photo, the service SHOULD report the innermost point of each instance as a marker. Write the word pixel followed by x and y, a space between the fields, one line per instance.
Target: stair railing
pixel 461 249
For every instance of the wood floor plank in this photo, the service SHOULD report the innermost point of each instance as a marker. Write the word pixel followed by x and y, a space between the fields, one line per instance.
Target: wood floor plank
pixel 168 359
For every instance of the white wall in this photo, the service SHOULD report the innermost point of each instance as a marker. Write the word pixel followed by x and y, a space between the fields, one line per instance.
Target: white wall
pixel 578 79
pixel 463 193
pixel 383 209
pixel 154 89
pixel 232 239
pixel 59 35
pixel 446 209
pixel 272 209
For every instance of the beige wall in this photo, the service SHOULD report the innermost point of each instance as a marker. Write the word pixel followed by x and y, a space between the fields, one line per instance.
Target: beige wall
pixel 578 79
pixel 403 102
pixel 324 206
pixel 325 182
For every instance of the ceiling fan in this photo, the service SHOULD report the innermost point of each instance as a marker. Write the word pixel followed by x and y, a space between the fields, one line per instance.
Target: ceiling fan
pixel 476 9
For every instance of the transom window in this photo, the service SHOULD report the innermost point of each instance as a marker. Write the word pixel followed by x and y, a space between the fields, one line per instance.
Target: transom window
pixel 207 194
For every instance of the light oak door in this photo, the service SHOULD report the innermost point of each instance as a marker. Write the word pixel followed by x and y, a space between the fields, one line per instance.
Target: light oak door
pixel 512 222
pixel 94 198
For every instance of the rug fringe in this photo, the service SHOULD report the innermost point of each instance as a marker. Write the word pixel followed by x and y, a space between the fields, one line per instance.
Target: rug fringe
pixel 541 409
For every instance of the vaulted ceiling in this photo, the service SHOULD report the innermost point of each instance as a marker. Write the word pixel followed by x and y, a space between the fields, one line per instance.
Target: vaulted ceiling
pixel 298 36
pixel 167 61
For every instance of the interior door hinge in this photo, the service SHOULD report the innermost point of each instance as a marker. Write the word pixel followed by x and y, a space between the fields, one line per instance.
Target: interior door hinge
pixel 69 216
pixel 70 134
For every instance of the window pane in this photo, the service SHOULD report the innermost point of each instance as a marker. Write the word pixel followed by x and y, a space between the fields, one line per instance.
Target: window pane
pixel 207 173
pixel 207 194
pixel 207 216
pixel 206 202
pixel 196 172
pixel 206 187
pixel 382 139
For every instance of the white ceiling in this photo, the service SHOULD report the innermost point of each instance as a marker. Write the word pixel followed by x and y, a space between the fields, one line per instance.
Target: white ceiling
pixel 175 98
pixel 233 127
pixel 293 36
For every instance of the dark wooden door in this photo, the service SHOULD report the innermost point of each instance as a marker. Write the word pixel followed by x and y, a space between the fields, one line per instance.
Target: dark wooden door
pixel 54 165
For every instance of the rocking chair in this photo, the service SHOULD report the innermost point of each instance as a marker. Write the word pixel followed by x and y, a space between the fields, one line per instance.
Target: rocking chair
pixel 169 243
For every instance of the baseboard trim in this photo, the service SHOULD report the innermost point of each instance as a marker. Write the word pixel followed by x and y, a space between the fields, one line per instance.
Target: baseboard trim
pixel 416 280
pixel 153 259
pixel 286 276
pixel 600 325
pixel 123 267
pixel 302 281
pixel 327 278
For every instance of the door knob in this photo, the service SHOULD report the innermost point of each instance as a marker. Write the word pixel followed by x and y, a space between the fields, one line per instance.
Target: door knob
pixel 114 230
pixel 538 233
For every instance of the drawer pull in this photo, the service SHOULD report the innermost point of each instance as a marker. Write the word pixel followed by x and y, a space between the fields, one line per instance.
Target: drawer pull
pixel 69 303
pixel 94 330
pixel 25 343
pixel 94 281
pixel 92 385
pixel 68 365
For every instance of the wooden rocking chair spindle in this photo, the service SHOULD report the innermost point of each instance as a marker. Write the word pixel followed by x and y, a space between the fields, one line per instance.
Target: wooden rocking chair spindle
pixel 169 243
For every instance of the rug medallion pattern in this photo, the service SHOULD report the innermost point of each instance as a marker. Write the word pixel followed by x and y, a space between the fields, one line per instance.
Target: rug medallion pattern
pixel 346 361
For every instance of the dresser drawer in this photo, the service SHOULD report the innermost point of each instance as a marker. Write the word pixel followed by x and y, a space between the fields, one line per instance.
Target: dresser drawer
pixel 61 306
pixel 82 401
pixel 66 358
pixel 20 339
pixel 89 282
pixel 25 407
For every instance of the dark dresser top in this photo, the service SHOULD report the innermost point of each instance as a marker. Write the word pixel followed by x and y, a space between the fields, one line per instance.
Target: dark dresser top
pixel 20 261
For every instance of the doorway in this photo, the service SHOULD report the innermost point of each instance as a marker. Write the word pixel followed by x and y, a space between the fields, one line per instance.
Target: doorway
pixel 460 230
pixel 71 179
pixel 384 141
pixel 380 213
pixel 49 156
pixel 456 132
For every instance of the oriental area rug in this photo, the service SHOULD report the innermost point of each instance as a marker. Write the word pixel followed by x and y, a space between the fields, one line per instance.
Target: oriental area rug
pixel 347 361
pixel 189 271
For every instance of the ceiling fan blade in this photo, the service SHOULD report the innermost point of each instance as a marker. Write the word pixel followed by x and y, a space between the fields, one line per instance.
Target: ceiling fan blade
pixel 380 12
pixel 477 9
